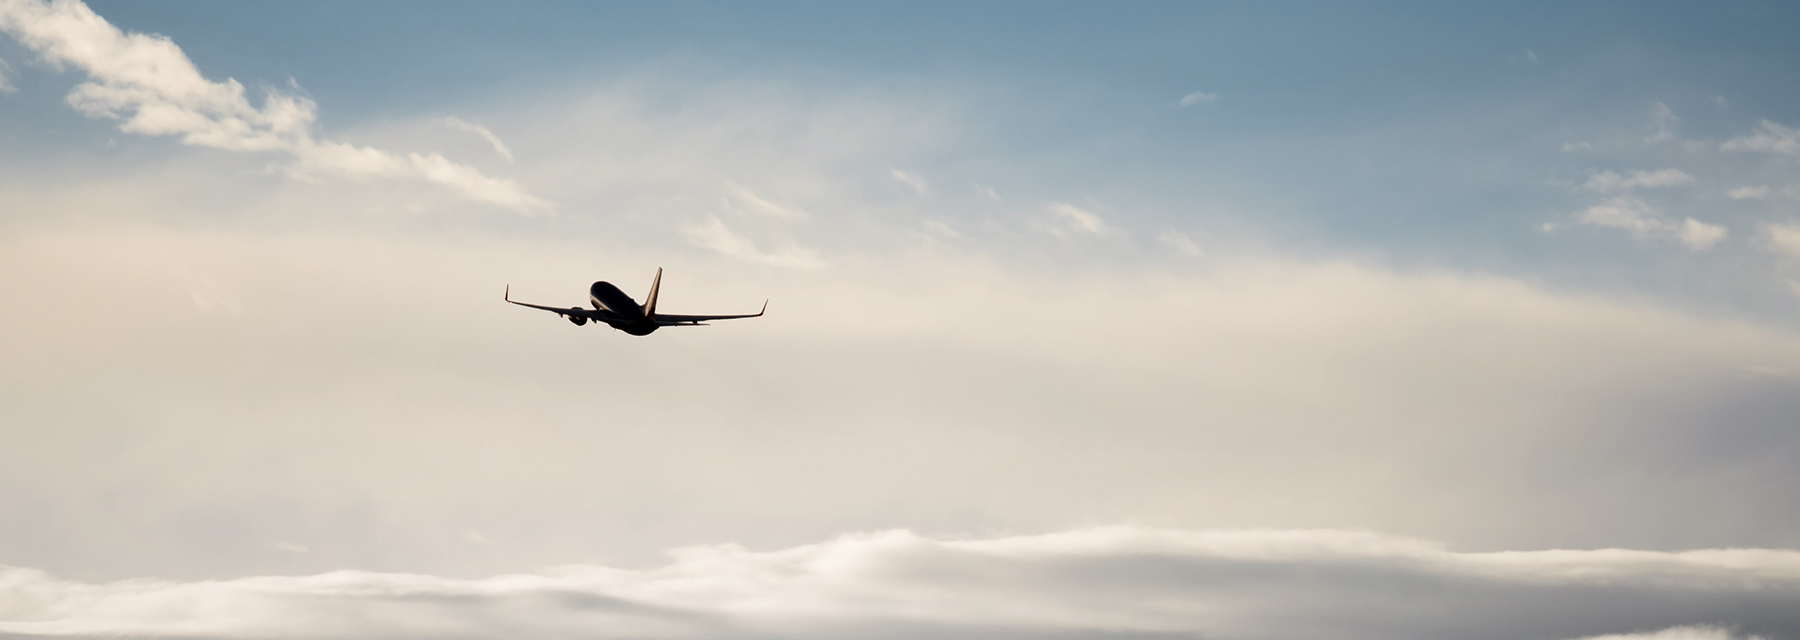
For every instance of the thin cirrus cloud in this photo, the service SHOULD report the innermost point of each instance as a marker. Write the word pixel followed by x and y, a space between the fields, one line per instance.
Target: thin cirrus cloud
pixel 149 85
pixel 913 180
pixel 713 234
pixel 1321 584
pixel 1180 242
pixel 463 125
pixel 748 200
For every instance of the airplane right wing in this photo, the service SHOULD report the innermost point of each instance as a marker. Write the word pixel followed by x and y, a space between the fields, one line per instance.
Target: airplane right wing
pixel 670 319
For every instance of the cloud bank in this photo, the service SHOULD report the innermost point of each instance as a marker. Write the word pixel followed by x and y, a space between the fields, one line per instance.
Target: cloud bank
pixel 152 88
pixel 1118 581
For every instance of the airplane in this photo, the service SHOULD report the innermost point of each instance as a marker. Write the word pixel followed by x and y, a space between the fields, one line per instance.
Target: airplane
pixel 612 307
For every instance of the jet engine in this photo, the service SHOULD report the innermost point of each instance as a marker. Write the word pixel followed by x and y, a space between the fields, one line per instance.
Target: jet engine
pixel 578 320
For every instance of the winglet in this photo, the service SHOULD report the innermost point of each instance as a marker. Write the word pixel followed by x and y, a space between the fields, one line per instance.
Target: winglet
pixel 650 300
pixel 508 295
pixel 765 308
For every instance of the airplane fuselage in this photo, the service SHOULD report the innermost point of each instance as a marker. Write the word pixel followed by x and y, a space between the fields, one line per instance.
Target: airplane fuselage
pixel 606 297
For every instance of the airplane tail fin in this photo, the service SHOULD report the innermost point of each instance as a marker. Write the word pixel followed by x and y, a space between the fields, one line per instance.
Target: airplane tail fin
pixel 650 300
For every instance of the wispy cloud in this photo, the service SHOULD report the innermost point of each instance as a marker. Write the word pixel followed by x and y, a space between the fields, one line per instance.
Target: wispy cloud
pixel 1610 181
pixel 5 82
pixel 986 191
pixel 1070 218
pixel 1662 123
pixel 1324 584
pixel 1197 97
pixel 755 203
pixel 714 235
pixel 152 88
pixel 938 228
pixel 1180 242
pixel 1770 137
pixel 463 125
pixel 1642 221
pixel 913 180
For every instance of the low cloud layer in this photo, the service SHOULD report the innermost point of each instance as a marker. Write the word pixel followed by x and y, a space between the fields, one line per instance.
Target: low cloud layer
pixel 152 88
pixel 1117 581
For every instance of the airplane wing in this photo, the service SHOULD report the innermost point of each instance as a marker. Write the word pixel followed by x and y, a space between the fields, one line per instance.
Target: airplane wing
pixel 671 319
pixel 592 314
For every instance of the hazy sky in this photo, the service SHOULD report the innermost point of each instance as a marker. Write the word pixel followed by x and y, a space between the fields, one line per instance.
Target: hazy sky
pixel 1171 320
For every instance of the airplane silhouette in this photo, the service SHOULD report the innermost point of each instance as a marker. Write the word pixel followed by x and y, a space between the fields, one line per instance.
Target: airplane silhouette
pixel 615 309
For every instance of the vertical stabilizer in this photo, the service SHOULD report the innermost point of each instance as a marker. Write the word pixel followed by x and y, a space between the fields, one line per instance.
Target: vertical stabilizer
pixel 650 301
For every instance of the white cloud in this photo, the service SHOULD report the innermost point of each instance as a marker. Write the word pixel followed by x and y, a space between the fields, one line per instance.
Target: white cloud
pixel 1691 632
pixel 713 234
pixel 755 203
pixel 463 125
pixel 1610 181
pixel 346 161
pixel 1785 237
pixel 1571 147
pixel 986 191
pixel 1197 97
pixel 1180 242
pixel 1073 218
pixel 1770 137
pixel 147 83
pixel 1699 236
pixel 912 180
pixel 1641 221
pixel 1748 193
pixel 1630 214
pixel 1662 123
pixel 1323 584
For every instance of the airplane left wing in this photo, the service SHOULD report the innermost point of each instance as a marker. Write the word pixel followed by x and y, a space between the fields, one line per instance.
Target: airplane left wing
pixel 568 312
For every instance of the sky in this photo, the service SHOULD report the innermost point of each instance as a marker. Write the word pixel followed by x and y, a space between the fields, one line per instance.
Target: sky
pixel 1086 320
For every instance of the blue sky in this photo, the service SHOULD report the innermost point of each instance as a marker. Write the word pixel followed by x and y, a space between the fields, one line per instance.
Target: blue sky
pixel 1417 134
pixel 1248 310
